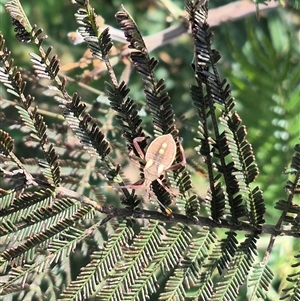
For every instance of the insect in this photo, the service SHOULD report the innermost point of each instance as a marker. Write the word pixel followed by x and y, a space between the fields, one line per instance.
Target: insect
pixel 158 159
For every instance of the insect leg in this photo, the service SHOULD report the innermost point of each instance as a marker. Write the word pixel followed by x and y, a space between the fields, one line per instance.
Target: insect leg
pixel 167 210
pixel 136 142
pixel 182 162
pixel 165 187
pixel 164 208
pixel 140 162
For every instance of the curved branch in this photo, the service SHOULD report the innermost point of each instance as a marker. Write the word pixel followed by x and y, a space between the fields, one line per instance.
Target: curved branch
pixel 202 221
pixel 217 16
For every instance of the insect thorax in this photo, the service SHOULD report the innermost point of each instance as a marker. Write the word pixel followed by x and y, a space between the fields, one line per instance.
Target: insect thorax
pixel 152 171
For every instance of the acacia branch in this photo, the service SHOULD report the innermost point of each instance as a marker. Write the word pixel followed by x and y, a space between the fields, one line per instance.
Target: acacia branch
pixel 217 16
pixel 113 212
pixel 202 221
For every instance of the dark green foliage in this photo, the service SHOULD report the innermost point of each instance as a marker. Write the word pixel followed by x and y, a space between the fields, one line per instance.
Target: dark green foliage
pixel 126 112
pixel 156 97
pixel 63 231
pixel 261 276
pixel 228 150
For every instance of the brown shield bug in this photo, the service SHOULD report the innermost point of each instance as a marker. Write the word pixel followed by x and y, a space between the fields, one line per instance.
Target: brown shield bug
pixel 158 159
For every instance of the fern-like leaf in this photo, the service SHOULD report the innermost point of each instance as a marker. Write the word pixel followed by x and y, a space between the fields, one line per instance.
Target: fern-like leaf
pixel 6 143
pixel 294 187
pixel 187 279
pixel 89 281
pixel 38 240
pixel 293 291
pixel 31 119
pixel 237 271
pixel 260 280
pixel 127 112
pixel 45 67
pixel 157 99
pixel 16 11
pixel 86 130
pixel 228 150
pixel 126 273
